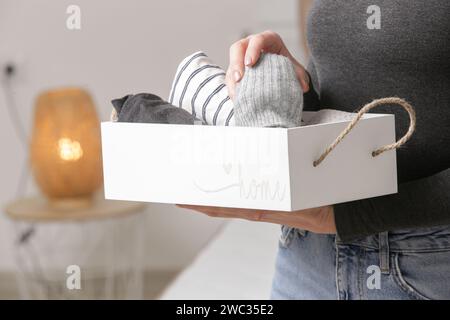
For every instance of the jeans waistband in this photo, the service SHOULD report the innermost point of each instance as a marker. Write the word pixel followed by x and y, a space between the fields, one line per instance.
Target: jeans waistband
pixel 414 240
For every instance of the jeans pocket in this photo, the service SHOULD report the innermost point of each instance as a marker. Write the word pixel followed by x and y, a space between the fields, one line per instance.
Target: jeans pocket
pixel 423 275
pixel 286 236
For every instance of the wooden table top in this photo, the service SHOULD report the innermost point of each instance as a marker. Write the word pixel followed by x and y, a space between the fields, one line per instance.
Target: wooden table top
pixel 39 209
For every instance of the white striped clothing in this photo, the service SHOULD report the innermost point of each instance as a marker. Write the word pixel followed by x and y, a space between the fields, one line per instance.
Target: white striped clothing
pixel 199 87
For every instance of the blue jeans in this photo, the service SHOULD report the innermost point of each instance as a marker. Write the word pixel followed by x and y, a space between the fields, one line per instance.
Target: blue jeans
pixel 398 265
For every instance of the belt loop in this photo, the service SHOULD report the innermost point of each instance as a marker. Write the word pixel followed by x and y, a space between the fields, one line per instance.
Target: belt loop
pixel 383 238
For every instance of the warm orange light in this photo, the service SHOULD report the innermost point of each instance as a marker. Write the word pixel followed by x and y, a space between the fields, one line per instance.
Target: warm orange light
pixel 65 145
pixel 69 150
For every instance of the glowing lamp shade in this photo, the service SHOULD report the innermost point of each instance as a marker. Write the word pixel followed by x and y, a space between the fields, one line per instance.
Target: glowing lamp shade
pixel 65 145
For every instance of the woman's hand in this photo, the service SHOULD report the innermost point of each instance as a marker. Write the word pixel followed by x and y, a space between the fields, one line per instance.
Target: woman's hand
pixel 317 220
pixel 246 52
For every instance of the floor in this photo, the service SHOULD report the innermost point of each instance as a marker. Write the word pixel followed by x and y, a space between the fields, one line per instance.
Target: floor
pixel 154 283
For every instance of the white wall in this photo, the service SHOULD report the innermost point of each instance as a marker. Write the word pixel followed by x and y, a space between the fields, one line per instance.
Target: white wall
pixel 124 47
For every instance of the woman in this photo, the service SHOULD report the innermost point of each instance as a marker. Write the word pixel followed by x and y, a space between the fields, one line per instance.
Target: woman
pixel 390 247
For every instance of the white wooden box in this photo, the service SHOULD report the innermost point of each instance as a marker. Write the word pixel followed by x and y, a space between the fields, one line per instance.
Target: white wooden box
pixel 259 168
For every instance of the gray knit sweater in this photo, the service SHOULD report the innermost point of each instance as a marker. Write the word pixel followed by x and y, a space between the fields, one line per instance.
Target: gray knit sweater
pixel 408 57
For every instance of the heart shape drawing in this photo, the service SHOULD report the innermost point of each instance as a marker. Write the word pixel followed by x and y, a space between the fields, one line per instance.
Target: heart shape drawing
pixel 227 167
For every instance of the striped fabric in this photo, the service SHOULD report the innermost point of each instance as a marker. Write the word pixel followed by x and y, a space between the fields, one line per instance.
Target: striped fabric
pixel 199 87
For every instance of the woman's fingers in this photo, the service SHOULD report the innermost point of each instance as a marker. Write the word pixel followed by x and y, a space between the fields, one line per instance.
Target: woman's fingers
pixel 246 52
pixel 302 76
pixel 256 44
pixel 236 68
pixel 267 41
pixel 231 85
pixel 231 213
pixel 318 220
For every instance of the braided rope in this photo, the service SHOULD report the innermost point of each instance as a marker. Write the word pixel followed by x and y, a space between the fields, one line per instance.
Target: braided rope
pixel 366 108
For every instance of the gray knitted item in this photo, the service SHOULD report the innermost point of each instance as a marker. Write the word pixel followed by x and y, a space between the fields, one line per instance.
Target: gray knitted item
pixel 269 94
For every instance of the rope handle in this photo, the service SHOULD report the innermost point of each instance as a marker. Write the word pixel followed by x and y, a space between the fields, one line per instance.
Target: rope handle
pixel 365 109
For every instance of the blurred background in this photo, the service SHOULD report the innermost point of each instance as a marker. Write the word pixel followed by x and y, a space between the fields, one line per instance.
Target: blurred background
pixel 122 47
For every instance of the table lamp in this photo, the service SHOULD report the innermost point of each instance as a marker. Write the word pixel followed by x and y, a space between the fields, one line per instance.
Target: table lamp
pixel 66 148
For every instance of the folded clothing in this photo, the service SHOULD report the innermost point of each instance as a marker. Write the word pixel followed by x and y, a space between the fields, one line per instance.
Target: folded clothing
pixel 149 108
pixel 330 115
pixel 269 94
pixel 199 87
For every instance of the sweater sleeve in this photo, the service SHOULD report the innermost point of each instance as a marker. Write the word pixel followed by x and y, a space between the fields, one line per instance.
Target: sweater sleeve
pixel 420 203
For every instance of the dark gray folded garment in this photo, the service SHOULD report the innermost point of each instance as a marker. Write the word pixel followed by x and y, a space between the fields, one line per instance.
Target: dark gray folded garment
pixel 149 108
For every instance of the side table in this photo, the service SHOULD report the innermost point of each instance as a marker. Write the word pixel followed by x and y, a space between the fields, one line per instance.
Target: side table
pixel 101 243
